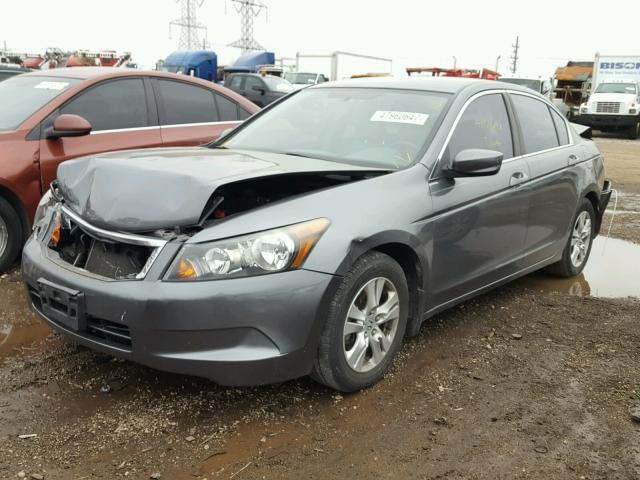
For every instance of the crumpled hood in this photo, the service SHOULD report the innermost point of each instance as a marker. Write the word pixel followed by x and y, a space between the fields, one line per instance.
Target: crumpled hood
pixel 146 190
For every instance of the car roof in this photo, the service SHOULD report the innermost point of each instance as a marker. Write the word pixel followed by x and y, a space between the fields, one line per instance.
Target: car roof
pixel 99 73
pixel 433 84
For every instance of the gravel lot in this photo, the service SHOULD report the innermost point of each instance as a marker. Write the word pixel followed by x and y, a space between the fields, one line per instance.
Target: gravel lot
pixel 534 380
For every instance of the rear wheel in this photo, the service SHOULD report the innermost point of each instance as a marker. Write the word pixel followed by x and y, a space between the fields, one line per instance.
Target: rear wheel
pixel 578 247
pixel 10 234
pixel 365 325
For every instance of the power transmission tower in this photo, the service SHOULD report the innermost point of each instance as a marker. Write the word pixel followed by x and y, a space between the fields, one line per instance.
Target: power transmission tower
pixel 248 10
pixel 514 57
pixel 189 25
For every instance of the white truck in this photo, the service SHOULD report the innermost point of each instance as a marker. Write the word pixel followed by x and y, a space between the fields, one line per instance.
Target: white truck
pixel 614 103
pixel 342 65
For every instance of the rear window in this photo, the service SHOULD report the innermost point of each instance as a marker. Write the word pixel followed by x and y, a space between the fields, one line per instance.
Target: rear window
pixel 23 95
pixel 183 103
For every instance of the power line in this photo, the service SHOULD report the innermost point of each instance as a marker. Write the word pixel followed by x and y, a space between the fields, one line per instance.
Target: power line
pixel 189 26
pixel 248 10
pixel 514 56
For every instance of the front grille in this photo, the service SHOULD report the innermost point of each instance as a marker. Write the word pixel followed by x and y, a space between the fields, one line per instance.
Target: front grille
pixel 608 107
pixel 109 259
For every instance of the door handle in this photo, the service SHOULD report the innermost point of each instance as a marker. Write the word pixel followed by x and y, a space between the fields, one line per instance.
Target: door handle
pixel 517 178
pixel 573 159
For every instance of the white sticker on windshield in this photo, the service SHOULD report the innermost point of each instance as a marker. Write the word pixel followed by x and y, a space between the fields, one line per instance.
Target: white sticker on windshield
pixel 52 85
pixel 400 117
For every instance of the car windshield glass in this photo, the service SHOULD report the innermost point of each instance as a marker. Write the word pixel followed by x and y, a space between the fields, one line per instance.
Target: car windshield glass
pixel 23 95
pixel 301 78
pixel 277 84
pixel 364 126
pixel 616 88
pixel 525 82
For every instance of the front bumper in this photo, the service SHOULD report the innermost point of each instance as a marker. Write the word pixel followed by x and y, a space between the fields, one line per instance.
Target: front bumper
pixel 244 331
pixel 604 120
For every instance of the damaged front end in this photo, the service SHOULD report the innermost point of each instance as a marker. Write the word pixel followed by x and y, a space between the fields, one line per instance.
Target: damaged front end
pixel 73 242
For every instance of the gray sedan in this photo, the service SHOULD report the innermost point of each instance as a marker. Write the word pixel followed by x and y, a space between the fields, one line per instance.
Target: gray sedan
pixel 317 236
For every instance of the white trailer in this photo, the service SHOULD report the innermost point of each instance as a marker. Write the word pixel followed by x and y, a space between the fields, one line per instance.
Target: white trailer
pixel 614 103
pixel 341 65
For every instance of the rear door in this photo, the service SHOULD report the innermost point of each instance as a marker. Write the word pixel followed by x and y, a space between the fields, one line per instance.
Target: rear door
pixel 192 115
pixel 122 115
pixel 480 223
pixel 550 154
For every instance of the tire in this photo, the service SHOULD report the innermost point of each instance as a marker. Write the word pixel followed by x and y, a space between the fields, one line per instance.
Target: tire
pixel 372 273
pixel 567 267
pixel 634 132
pixel 10 235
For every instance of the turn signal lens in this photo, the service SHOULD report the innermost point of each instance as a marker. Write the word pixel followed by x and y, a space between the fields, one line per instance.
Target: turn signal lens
pixel 308 235
pixel 186 270
pixel 56 233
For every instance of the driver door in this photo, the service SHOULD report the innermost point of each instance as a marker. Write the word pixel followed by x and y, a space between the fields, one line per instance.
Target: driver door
pixel 480 223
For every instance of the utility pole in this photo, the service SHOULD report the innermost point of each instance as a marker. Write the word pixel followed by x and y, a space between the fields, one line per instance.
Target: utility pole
pixel 248 10
pixel 514 57
pixel 189 25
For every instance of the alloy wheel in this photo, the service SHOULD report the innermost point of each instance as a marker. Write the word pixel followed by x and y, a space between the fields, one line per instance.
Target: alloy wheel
pixel 580 239
pixel 371 324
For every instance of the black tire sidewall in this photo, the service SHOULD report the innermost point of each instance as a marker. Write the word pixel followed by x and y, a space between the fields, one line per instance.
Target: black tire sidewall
pixel 14 228
pixel 367 268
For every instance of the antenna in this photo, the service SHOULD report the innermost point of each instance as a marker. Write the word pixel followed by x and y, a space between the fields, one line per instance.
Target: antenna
pixel 189 25
pixel 514 56
pixel 248 10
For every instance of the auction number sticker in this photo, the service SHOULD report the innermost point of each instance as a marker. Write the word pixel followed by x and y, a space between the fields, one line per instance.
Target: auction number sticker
pixel 411 118
pixel 52 85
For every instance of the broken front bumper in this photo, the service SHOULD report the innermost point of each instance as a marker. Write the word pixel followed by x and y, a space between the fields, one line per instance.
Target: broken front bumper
pixel 244 331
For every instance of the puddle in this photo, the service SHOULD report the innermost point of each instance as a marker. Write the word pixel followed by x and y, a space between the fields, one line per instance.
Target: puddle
pixel 15 338
pixel 613 271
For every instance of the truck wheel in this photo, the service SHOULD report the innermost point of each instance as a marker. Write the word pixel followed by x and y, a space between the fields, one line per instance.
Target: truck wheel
pixel 634 132
pixel 576 251
pixel 365 325
pixel 10 235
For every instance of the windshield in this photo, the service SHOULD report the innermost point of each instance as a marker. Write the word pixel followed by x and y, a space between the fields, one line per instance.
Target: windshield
pixel 616 88
pixel 525 82
pixel 23 95
pixel 277 84
pixel 301 78
pixel 365 126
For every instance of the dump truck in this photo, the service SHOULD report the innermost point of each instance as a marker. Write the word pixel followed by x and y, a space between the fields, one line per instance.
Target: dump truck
pixel 572 85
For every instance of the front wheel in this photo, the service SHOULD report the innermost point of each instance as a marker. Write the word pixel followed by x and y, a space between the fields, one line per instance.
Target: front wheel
pixel 576 251
pixel 10 235
pixel 634 132
pixel 365 326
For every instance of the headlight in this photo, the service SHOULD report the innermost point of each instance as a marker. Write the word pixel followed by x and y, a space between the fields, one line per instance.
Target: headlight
pixel 46 202
pixel 259 253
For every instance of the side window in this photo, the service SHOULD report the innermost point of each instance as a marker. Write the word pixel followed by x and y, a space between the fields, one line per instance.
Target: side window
pixel 538 129
pixel 253 82
pixel 484 124
pixel 183 103
pixel 235 83
pixel 112 105
pixel 561 127
pixel 227 108
pixel 243 114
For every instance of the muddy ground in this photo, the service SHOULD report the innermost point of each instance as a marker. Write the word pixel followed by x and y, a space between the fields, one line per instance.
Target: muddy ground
pixel 534 380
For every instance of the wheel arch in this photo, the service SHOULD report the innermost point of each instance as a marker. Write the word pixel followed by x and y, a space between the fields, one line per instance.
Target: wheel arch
pixel 403 248
pixel 19 208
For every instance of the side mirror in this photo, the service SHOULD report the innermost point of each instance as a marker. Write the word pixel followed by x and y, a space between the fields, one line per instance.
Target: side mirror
pixel 475 162
pixel 68 125
pixel 256 88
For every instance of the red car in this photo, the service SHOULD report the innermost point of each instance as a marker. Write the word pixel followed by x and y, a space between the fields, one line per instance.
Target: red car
pixel 49 116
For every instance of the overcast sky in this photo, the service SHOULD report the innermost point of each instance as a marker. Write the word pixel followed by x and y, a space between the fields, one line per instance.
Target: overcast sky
pixel 411 32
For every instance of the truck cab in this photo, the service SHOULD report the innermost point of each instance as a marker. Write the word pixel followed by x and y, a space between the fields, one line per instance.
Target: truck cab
pixel 614 106
pixel 196 63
